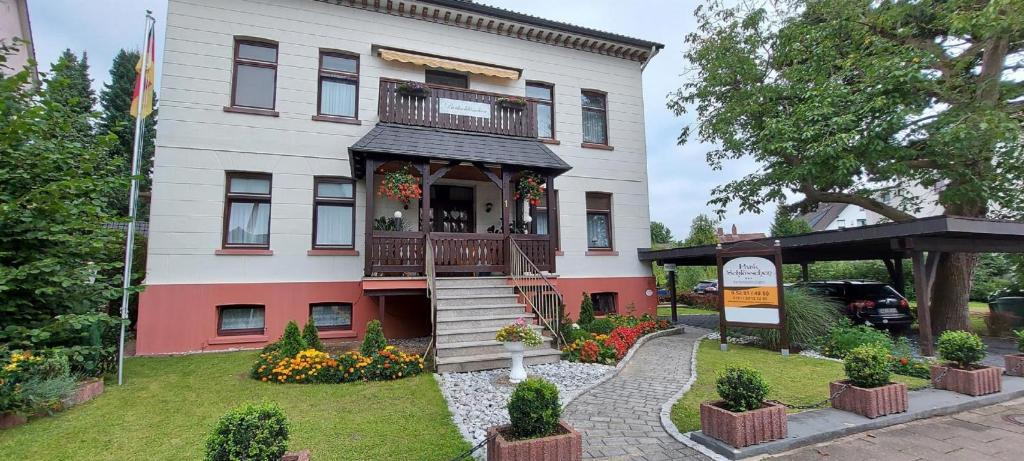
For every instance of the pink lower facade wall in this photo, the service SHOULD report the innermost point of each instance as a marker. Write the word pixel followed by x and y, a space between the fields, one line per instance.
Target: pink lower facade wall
pixel 182 318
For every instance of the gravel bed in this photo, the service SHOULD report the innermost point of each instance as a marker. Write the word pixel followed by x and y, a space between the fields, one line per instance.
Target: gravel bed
pixel 477 399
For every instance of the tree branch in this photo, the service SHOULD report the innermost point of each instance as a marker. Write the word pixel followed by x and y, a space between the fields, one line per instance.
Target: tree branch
pixel 814 196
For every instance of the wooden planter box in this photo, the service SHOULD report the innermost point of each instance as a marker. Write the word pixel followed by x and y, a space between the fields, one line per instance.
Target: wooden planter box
pixel 979 381
pixel 566 446
pixel 86 391
pixel 870 402
pixel 1014 364
pixel 743 429
pixel 9 420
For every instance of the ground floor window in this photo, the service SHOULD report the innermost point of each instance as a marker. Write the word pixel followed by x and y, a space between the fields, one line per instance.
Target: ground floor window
pixel 331 316
pixel 604 303
pixel 240 320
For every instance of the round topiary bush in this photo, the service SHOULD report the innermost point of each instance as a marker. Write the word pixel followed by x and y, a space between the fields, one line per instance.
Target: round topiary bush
pixel 962 348
pixel 868 366
pixel 742 389
pixel 253 432
pixel 534 409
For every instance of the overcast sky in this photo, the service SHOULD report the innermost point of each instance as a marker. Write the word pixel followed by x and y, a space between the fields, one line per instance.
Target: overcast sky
pixel 680 180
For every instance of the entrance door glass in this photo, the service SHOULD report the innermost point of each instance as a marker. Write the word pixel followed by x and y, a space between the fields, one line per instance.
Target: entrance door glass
pixel 451 209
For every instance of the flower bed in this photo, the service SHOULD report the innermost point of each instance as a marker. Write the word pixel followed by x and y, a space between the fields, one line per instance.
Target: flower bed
pixel 610 348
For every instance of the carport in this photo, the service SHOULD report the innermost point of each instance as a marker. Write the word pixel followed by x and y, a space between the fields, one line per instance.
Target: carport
pixel 922 241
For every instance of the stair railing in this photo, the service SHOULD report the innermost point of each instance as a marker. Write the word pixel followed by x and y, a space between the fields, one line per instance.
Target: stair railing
pixel 541 296
pixel 428 270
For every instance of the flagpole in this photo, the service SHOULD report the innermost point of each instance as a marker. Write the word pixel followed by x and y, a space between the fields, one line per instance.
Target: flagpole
pixel 140 123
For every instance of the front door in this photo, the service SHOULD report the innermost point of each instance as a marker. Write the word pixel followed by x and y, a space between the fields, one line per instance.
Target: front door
pixel 451 209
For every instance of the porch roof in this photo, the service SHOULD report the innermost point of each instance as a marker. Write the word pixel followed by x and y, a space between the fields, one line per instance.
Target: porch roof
pixel 391 140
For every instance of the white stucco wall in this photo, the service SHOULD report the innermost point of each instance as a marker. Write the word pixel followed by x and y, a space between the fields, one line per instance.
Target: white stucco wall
pixel 197 141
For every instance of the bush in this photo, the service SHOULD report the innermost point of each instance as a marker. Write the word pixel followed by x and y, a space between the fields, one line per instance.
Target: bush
pixel 868 366
pixel 962 348
pixel 311 336
pixel 250 432
pixel 534 409
pixel 844 338
pixel 742 389
pixel 586 310
pixel 291 342
pixel 904 363
pixel 34 382
pixel 809 317
pixel 89 341
pixel 698 301
pixel 374 340
pixel 1020 340
pixel 601 326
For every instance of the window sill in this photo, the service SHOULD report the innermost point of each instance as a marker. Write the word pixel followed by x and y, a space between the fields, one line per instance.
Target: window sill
pixel 328 252
pixel 243 252
pixel 550 141
pixel 559 253
pixel 602 253
pixel 335 334
pixel 251 111
pixel 240 339
pixel 588 145
pixel 333 119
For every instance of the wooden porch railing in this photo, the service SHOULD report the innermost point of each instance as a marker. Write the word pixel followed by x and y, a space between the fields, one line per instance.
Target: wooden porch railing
pixel 538 249
pixel 540 295
pixel 494 118
pixel 395 251
pixel 405 252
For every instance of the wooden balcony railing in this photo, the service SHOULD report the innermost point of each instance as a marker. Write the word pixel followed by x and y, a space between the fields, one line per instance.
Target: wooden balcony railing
pixel 455 109
pixel 405 252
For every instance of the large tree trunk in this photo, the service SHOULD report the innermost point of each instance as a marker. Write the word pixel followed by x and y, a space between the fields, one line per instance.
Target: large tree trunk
pixel 951 292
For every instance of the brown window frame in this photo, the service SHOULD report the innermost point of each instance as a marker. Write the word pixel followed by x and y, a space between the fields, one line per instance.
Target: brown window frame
pixel 244 331
pixel 604 114
pixel 237 197
pixel 236 61
pixel 351 313
pixel 335 201
pixel 426 77
pixel 608 213
pixel 547 102
pixel 337 75
pixel 615 302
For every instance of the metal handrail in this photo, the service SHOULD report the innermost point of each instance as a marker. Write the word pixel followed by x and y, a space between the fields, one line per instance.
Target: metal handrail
pixel 428 271
pixel 540 294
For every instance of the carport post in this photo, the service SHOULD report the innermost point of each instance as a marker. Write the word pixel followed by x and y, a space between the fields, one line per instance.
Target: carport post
pixel 922 288
pixel 671 270
pixel 805 272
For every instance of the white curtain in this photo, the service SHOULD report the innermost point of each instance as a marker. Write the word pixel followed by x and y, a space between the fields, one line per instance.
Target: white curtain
pixel 337 97
pixel 241 318
pixel 249 223
pixel 333 225
pixel 593 127
pixel 597 231
pixel 543 121
pixel 332 315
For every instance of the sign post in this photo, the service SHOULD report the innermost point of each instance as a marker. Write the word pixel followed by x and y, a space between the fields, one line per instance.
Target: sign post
pixel 751 290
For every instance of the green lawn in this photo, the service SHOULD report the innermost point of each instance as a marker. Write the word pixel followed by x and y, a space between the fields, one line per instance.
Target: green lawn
pixel 664 311
pixel 795 379
pixel 169 405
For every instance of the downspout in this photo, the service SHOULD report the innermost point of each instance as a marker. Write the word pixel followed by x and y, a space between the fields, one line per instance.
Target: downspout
pixel 654 52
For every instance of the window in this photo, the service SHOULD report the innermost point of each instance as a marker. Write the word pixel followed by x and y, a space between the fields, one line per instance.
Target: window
pixel 595 118
pixel 247 211
pixel 841 223
pixel 543 95
pixel 540 218
pixel 334 201
pixel 240 319
pixel 862 222
pixel 604 303
pixel 331 316
pixel 255 74
pixel 339 85
pixel 599 221
pixel 440 77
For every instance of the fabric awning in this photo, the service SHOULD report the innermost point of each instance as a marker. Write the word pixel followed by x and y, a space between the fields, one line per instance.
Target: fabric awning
pixel 447 63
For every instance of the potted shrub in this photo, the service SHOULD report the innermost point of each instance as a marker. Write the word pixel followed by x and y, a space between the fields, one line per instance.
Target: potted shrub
pixel 257 432
pixel 961 373
pixel 868 391
pixel 413 89
pixel 1015 362
pixel 515 337
pixel 742 417
pixel 536 429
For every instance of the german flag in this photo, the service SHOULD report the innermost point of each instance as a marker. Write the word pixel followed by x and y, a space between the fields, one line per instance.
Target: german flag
pixel 149 55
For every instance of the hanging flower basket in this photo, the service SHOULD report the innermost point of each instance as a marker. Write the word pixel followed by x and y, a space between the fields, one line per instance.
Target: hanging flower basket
pixel 513 102
pixel 400 185
pixel 414 89
pixel 529 188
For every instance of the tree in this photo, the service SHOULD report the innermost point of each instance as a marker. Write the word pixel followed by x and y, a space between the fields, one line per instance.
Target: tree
pixel 68 86
pixel 702 232
pixel 661 234
pixel 787 224
pixel 116 100
pixel 844 100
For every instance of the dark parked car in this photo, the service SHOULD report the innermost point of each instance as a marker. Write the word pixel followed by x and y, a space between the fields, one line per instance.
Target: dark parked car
pixel 870 303
pixel 706 287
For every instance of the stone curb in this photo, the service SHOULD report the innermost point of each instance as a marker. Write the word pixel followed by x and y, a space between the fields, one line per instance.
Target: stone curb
pixel 666 408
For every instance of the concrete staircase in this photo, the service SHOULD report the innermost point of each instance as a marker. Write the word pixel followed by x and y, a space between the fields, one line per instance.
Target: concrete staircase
pixel 470 311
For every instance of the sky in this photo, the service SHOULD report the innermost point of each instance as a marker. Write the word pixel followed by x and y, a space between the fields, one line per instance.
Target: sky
pixel 680 179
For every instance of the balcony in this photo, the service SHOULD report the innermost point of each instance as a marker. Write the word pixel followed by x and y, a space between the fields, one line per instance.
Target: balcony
pixel 455 109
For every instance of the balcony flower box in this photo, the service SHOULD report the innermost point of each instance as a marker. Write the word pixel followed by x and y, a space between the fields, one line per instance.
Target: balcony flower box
pixel 975 381
pixel 744 428
pixel 565 445
pixel 1014 364
pixel 514 103
pixel 413 89
pixel 869 402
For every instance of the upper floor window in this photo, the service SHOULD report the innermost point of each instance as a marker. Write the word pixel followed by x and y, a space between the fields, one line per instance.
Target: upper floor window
pixel 240 319
pixel 595 117
pixel 339 84
pixel 255 81
pixel 599 221
pixel 333 212
pixel 440 77
pixel 543 94
pixel 247 211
